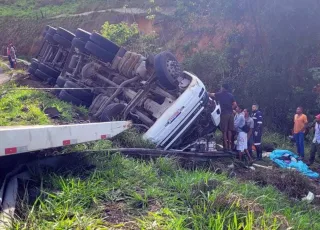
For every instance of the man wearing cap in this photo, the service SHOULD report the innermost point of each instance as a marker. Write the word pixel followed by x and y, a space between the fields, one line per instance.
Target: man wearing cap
pixel 227 103
pixel 315 147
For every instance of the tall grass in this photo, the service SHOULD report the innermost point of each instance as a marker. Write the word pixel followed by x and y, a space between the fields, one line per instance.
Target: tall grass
pixel 132 194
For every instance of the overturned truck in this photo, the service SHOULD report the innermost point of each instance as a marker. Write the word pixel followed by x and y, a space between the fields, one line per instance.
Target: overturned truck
pixel 170 105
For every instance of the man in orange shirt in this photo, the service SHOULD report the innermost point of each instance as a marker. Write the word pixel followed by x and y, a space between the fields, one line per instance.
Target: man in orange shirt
pixel 300 122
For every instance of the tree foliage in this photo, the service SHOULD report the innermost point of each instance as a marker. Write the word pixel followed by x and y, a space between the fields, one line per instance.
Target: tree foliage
pixel 120 33
pixel 267 59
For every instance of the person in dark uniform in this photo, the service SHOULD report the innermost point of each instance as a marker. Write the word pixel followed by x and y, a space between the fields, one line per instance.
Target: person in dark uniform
pixel 257 131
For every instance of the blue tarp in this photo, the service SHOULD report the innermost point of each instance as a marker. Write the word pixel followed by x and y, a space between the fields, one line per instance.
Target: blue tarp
pixel 294 163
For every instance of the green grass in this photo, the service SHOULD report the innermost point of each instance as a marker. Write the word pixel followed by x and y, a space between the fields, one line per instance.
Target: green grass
pixel 21 106
pixel 125 193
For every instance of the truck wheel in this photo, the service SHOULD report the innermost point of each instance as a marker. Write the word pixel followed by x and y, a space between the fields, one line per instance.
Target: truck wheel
pixel 50 39
pixel 104 43
pixel 32 70
pixel 62 41
pixel 65 96
pixel 112 112
pixel 80 45
pixel 167 69
pixel 34 64
pixel 41 75
pixel 56 91
pixel 65 34
pixel 51 81
pixel 51 30
pixel 83 94
pixel 83 35
pixel 49 71
pixel 73 62
pixel 99 52
pixel 61 81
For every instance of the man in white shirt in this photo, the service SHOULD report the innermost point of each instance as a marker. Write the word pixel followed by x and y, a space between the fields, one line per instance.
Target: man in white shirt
pixel 239 123
pixel 315 147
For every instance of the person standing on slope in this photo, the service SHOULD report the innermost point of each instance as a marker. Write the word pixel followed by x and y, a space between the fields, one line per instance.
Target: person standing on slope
pixel 300 122
pixel 257 130
pixel 227 103
pixel 11 52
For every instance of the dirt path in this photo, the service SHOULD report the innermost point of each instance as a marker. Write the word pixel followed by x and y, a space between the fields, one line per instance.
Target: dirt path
pixel 166 11
pixel 3 77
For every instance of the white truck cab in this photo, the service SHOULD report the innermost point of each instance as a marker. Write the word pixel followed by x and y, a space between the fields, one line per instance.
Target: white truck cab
pixel 182 115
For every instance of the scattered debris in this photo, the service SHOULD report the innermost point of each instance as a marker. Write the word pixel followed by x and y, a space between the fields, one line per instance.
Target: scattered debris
pixel 52 112
pixel 309 198
pixel 262 166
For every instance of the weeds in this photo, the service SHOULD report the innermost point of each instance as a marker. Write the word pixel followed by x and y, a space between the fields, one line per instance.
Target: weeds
pixel 133 194
pixel 26 107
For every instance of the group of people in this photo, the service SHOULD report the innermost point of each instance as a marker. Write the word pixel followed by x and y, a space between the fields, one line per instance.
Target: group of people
pixel 11 53
pixel 299 128
pixel 237 123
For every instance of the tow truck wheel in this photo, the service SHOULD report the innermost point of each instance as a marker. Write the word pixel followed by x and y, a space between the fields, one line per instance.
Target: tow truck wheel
pixel 61 80
pixel 34 64
pixel 112 112
pixel 51 30
pixel 167 70
pixel 50 39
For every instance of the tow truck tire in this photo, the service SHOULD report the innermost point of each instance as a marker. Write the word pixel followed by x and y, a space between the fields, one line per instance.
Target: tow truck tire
pixel 80 45
pixel 62 41
pixel 83 35
pixel 61 80
pixel 41 75
pixel 32 70
pixel 99 52
pixel 112 112
pixel 167 69
pixel 83 94
pixel 51 30
pixel 50 39
pixel 104 43
pixel 49 71
pixel 65 96
pixel 65 34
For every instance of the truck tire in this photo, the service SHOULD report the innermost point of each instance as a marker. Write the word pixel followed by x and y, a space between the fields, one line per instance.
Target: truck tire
pixel 41 75
pixel 34 64
pixel 80 45
pixel 56 90
pixel 104 43
pixel 49 71
pixel 61 80
pixel 99 52
pixel 51 30
pixel 65 96
pixel 65 34
pixel 112 112
pixel 167 69
pixel 32 70
pixel 83 94
pixel 73 62
pixel 83 35
pixel 50 39
pixel 51 81
pixel 62 41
